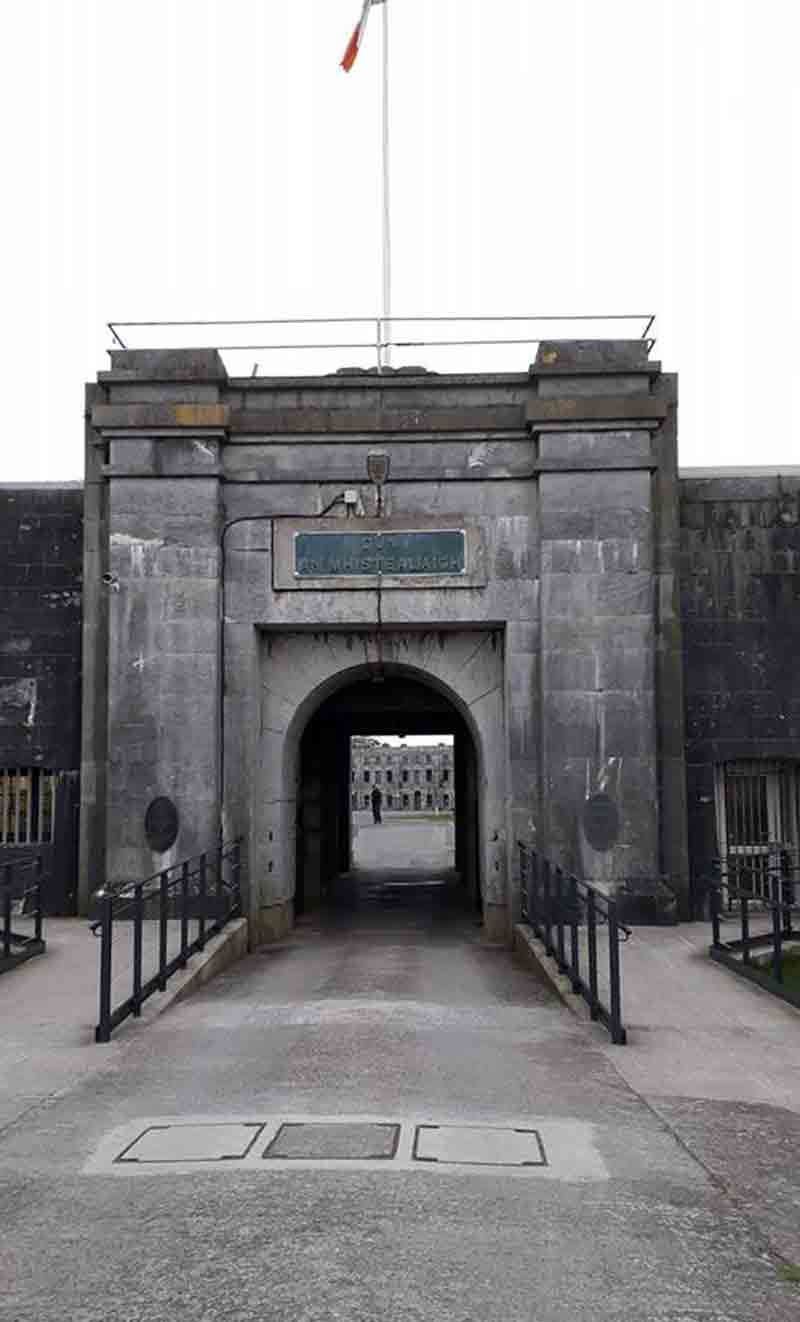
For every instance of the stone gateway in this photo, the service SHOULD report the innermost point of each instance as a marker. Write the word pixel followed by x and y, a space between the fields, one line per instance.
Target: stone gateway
pixel 253 600
pixel 274 566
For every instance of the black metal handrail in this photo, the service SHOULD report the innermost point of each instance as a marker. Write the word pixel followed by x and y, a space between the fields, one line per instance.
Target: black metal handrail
pixel 205 887
pixel 21 881
pixel 779 902
pixel 556 904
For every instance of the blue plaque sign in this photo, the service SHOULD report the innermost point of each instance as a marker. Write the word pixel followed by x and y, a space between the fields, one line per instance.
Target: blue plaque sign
pixel 353 554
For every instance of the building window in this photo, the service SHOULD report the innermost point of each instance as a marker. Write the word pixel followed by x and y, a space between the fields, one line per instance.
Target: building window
pixel 388 800
pixel 429 775
pixel 377 777
pixel 446 800
pixel 417 800
pixel 445 775
pixel 405 800
pixel 416 778
pixel 388 775
pixel 354 801
pixel 758 822
pixel 366 800
pixel 366 777
pixel 428 800
pixel 27 806
pixel 405 775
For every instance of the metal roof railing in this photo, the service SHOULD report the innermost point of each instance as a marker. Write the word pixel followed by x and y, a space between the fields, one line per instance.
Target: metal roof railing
pixel 384 334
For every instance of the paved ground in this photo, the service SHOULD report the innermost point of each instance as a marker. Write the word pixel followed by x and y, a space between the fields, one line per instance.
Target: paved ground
pixel 405 840
pixel 657 1203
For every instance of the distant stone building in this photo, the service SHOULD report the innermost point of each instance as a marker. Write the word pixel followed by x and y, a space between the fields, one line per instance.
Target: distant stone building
pixel 416 778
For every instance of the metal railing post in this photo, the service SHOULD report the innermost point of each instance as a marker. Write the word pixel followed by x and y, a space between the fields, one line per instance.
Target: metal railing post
pixel 7 874
pixel 222 916
pixel 744 915
pixel 237 876
pixel 777 932
pixel 716 898
pixel 138 924
pixel 37 922
pixel 561 946
pixel 573 934
pixel 103 1031
pixel 591 933
pixel 201 889
pixel 184 912
pixel 546 915
pixel 163 909
pixel 617 1031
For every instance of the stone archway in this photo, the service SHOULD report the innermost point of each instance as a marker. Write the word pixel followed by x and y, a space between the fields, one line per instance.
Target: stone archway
pixel 299 672
pixel 385 700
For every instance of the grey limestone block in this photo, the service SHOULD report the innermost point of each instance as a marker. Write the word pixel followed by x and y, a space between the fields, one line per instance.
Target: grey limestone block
pixel 168 364
pixel 598 355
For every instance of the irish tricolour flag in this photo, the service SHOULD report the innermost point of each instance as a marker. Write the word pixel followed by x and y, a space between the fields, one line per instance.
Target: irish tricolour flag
pixel 354 44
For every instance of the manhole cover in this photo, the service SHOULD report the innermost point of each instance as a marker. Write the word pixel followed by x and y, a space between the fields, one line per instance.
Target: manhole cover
pixel 226 1142
pixel 334 1142
pixel 476 1145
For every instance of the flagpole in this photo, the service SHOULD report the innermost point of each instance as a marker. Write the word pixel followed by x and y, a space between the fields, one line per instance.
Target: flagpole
pixel 386 244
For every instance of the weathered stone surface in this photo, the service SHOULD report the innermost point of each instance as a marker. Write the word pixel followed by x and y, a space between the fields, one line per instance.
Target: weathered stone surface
pixel 593 355
pixel 546 659
pixel 154 365
pixel 739 590
pixel 594 447
pixel 41 549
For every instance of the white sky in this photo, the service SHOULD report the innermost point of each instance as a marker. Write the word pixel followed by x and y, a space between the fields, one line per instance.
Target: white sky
pixel 207 158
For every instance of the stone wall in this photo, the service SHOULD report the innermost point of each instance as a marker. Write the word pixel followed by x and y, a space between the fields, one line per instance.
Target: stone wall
pixel 740 607
pixel 41 552
pixel 561 637
pixel 579 576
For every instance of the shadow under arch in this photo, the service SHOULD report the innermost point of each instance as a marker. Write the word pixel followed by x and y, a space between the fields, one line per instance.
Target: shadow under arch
pixel 414 683
pixel 371 671
pixel 396 699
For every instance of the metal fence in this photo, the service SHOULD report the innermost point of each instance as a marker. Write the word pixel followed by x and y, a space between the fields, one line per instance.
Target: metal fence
pixel 21 901
pixel 380 337
pixel 557 906
pixel 754 871
pixel 763 910
pixel 160 923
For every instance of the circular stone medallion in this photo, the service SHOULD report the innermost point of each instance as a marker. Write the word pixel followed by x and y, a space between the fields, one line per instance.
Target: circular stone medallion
pixel 161 825
pixel 601 822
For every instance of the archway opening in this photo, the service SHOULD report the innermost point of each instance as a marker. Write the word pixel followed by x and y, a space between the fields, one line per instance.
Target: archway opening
pixel 402 802
pixel 424 850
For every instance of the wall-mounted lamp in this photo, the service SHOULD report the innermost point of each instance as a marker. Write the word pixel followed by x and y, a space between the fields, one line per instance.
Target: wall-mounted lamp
pixel 378 464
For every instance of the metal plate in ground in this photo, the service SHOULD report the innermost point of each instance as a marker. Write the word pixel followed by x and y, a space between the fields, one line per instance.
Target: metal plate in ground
pixel 225 1142
pixel 334 1142
pixel 478 1145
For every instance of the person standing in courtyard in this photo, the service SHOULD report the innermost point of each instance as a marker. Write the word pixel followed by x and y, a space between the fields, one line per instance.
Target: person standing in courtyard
pixel 377 799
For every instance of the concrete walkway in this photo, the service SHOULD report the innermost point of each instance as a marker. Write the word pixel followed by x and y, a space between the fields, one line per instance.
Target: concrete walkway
pixel 672 1178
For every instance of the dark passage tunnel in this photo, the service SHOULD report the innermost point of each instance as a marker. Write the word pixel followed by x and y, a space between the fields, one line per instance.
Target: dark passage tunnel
pixel 384 703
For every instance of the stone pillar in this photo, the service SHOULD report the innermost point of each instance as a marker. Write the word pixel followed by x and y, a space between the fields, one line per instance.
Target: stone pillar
pixel 596 410
pixel 163 426
pixel 94 667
